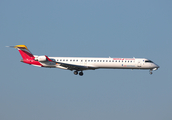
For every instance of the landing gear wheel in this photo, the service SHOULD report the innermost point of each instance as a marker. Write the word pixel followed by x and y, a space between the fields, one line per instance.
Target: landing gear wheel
pixel 81 73
pixel 75 72
pixel 150 72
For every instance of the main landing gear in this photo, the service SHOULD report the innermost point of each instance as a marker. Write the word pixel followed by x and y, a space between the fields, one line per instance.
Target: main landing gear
pixel 80 73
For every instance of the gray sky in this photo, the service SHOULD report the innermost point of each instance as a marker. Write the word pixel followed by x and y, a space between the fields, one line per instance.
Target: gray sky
pixel 92 29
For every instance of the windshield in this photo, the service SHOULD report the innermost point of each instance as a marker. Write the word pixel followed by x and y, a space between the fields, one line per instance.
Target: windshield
pixel 148 61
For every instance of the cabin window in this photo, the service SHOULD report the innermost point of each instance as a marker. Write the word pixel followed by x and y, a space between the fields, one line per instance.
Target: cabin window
pixel 109 60
pixel 81 60
pixel 106 60
pixel 57 60
pixel 94 60
pixel 112 60
pixel 60 60
pixel 91 60
pixel 85 60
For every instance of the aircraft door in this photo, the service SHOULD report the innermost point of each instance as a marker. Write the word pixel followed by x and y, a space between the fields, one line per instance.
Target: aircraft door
pixel 139 64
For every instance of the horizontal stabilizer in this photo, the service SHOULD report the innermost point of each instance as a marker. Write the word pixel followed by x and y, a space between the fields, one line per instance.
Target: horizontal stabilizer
pixel 25 53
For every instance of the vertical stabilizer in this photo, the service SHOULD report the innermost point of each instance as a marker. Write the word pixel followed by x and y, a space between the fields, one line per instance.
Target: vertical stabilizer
pixel 25 53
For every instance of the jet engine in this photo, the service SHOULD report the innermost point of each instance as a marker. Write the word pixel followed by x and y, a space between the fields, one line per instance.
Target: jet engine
pixel 42 59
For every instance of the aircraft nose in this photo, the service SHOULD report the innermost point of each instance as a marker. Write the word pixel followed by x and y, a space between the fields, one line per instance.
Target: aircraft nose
pixel 156 66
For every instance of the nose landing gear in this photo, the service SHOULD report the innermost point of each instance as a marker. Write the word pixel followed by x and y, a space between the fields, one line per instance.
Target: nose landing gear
pixel 80 73
pixel 150 72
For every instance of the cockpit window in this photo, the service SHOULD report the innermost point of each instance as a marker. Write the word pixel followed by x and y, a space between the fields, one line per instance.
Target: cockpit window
pixel 148 61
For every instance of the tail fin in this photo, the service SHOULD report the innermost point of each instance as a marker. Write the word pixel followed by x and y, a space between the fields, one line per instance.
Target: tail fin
pixel 25 53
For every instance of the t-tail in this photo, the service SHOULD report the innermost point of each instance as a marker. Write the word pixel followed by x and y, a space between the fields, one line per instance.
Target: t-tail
pixel 25 53
pixel 27 56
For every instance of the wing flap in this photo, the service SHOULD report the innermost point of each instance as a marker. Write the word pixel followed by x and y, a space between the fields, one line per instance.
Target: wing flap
pixel 76 67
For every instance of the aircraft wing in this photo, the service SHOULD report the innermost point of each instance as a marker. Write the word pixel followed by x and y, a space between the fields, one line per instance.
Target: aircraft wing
pixel 76 67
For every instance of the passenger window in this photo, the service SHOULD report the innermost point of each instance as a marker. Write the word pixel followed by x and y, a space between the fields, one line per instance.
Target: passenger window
pixel 106 60
pixel 100 60
pixel 91 60
pixel 109 60
pixel 112 60
pixel 60 60
pixel 119 60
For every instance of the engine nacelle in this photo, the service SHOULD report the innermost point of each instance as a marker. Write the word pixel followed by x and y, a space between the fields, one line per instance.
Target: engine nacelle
pixel 36 57
pixel 42 59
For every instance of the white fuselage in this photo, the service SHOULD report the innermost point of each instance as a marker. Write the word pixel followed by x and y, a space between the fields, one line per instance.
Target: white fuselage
pixel 84 63
pixel 108 63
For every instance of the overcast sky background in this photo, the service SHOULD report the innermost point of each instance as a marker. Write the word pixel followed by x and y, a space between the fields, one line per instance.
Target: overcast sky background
pixel 90 28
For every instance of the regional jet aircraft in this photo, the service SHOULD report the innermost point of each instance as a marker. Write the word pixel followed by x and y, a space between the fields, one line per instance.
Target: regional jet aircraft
pixel 79 64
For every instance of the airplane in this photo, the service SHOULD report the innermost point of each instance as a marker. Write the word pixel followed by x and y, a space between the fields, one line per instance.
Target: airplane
pixel 79 64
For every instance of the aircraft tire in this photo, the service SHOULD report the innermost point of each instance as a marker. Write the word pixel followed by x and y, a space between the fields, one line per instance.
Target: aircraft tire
pixel 81 73
pixel 75 72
